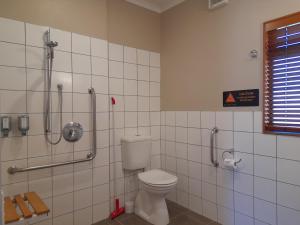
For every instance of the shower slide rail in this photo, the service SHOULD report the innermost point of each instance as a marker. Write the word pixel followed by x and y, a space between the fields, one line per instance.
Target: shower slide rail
pixel 90 156
pixel 213 133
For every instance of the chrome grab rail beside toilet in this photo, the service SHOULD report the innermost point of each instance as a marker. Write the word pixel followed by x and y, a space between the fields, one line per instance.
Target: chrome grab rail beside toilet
pixel 90 156
pixel 213 132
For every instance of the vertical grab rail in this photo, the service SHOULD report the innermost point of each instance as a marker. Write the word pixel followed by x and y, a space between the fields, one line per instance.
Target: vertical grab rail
pixel 212 148
pixel 90 156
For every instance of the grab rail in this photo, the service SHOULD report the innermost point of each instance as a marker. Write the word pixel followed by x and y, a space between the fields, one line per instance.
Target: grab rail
pixel 90 156
pixel 212 142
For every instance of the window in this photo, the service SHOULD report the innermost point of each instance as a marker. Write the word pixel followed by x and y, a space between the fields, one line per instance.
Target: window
pixel 282 75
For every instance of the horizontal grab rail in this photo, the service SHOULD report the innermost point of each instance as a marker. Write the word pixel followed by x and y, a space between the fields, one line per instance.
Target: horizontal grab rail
pixel 90 156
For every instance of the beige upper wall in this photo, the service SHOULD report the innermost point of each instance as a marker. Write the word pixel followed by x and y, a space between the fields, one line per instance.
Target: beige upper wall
pixel 88 17
pixel 207 52
pixel 134 26
pixel 114 20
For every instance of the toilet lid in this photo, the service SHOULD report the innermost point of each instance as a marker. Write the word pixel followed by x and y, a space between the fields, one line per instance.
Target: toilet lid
pixel 157 177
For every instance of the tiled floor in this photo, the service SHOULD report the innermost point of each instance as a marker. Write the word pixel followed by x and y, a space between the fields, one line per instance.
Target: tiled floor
pixel 178 216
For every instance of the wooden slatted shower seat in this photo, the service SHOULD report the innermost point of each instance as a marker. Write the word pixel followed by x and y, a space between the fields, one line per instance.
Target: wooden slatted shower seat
pixel 23 208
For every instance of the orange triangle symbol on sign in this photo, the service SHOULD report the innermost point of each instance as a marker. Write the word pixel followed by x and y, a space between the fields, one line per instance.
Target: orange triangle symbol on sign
pixel 230 99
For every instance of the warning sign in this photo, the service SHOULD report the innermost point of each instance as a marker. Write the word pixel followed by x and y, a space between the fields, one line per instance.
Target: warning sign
pixel 241 98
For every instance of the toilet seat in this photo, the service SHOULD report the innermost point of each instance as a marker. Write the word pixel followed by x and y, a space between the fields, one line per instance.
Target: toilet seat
pixel 157 178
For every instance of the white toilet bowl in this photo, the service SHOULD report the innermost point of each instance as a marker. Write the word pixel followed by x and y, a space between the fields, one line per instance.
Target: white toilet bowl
pixel 150 203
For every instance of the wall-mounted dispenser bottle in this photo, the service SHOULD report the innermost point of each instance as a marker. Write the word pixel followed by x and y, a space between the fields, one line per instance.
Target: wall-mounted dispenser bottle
pixel 5 125
pixel 23 124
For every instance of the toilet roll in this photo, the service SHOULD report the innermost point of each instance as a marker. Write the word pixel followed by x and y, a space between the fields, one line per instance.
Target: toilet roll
pixel 230 163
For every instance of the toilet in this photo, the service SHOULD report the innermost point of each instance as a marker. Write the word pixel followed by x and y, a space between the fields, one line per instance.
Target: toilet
pixel 155 184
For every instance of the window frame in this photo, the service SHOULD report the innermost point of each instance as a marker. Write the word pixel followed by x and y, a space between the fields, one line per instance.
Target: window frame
pixel 269 26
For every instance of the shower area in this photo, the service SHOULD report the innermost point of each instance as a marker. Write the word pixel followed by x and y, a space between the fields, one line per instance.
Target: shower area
pixel 69 154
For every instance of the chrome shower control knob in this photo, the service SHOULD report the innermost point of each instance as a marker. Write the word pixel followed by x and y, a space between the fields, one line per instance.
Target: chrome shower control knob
pixel 72 132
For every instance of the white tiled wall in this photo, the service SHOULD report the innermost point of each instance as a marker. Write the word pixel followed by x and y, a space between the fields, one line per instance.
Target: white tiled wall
pixel 76 194
pixel 264 190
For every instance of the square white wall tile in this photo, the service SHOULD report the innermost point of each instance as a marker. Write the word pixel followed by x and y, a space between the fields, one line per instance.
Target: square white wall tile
pixel 286 195
pixel 243 183
pixel 258 122
pixel 194 153
pixel 143 73
pixel 225 197
pixel 287 147
pixel 265 167
pixel 265 211
pixel 287 216
pixel 194 136
pixel 210 210
pixel 154 74
pixel 100 83
pixel 209 174
pixel 208 120
pixel 116 86
pixel 243 121
pixel 12 54
pixel 209 192
pixel 225 178
pixel 35 35
pixel 12 78
pixel 243 204
pixel 154 59
pixel 194 119
pixel 12 31
pixel 225 216
pixel 143 88
pixel 154 104
pixel 130 71
pixel 181 119
pixel 243 142
pixel 195 170
pixel 181 134
pixel 286 171
pixel 130 55
pixel 154 89
pixel 143 57
pixel 8 100
pixel 62 62
pixel 265 145
pixel 35 57
pixel 195 204
pixel 99 66
pixel 81 64
pixel 115 52
pixel 99 48
pixel 130 87
pixel 265 189
pixel 143 104
pixel 224 139
pixel 195 187
pixel 241 219
pixel 224 120
pixel 115 69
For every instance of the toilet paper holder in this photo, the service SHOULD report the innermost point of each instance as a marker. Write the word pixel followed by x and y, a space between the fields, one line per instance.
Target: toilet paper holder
pixel 232 153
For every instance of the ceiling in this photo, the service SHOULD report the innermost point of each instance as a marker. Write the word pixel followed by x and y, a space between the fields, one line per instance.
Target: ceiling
pixel 156 5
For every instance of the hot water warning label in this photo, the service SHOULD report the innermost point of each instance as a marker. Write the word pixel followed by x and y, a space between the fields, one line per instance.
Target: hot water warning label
pixel 241 98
